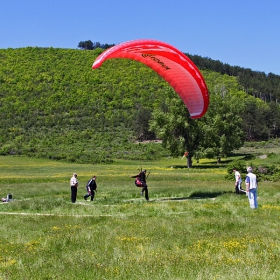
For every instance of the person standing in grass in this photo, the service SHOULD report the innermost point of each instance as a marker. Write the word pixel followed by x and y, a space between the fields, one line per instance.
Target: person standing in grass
pixel 91 188
pixel 140 181
pixel 74 187
pixel 238 181
pixel 251 188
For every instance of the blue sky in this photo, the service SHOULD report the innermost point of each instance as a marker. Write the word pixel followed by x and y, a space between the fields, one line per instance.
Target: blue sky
pixel 244 33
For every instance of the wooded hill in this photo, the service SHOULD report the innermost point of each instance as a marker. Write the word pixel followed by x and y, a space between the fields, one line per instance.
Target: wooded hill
pixel 54 105
pixel 257 83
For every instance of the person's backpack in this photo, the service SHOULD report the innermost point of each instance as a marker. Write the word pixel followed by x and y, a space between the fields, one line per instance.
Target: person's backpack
pixel 138 183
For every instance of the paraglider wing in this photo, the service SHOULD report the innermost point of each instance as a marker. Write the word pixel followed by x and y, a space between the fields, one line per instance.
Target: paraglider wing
pixel 171 64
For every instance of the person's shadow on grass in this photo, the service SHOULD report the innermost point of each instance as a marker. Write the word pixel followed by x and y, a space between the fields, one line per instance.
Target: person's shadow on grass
pixel 199 195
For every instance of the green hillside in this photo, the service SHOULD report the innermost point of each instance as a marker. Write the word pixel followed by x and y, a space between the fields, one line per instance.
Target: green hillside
pixel 53 105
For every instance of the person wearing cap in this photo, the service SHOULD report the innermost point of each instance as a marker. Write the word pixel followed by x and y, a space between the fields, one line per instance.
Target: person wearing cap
pixel 140 182
pixel 74 187
pixel 251 188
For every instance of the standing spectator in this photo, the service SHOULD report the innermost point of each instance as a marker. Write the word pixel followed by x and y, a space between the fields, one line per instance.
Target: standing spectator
pixel 238 181
pixel 74 187
pixel 251 188
pixel 91 188
pixel 140 181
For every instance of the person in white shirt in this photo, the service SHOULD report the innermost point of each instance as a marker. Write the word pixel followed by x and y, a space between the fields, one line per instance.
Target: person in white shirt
pixel 238 181
pixel 251 188
pixel 74 187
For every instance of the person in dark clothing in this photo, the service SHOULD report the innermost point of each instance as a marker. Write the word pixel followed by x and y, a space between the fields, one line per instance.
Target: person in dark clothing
pixel 140 182
pixel 91 188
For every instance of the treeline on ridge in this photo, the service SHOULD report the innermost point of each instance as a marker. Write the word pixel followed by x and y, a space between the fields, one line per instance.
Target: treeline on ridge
pixel 257 83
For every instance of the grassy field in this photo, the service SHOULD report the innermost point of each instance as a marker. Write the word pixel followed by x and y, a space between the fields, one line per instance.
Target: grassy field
pixel 193 227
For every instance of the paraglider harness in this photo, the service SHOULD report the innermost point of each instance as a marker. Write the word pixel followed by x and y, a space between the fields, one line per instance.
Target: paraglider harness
pixel 8 199
pixel 138 183
pixel 141 179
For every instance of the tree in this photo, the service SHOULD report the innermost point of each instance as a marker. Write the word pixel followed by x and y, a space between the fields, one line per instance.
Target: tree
pixel 216 134
pixel 222 125
pixel 89 45
pixel 273 119
pixel 254 119
pixel 178 132
pixel 86 45
pixel 141 123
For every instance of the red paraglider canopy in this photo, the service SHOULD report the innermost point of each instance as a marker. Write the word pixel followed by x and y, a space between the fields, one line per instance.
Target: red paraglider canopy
pixel 171 64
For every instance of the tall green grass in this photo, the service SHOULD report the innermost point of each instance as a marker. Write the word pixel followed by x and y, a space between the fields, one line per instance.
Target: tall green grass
pixel 193 227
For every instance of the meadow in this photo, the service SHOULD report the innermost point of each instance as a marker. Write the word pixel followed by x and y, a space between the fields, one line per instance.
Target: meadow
pixel 193 227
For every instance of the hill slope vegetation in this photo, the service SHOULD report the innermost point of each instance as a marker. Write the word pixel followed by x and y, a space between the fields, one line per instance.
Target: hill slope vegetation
pixel 53 105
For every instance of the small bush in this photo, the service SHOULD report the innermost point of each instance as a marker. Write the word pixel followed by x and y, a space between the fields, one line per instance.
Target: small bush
pixel 240 165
